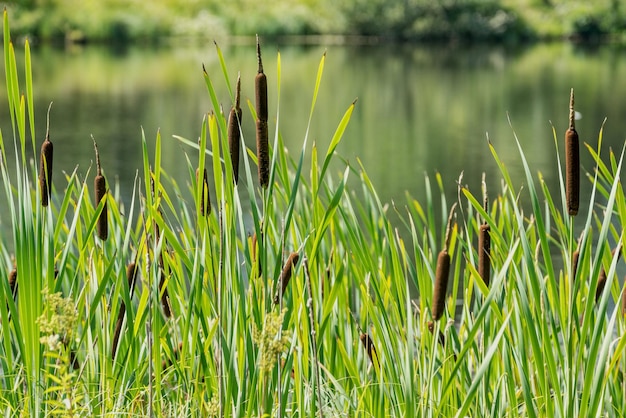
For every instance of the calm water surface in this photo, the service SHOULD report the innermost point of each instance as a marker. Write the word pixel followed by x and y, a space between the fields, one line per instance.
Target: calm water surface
pixel 420 109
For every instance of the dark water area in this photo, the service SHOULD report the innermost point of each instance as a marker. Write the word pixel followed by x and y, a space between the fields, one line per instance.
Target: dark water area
pixel 420 110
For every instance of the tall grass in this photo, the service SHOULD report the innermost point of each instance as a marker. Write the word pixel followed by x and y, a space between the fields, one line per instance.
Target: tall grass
pixel 349 335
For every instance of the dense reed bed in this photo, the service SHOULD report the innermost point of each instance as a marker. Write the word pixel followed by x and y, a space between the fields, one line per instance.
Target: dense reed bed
pixel 309 302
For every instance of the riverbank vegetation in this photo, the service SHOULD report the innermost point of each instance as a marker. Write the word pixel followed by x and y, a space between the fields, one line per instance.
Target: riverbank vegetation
pixel 298 296
pixel 399 20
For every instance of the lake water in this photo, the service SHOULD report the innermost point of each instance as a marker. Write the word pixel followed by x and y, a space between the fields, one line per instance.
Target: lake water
pixel 420 109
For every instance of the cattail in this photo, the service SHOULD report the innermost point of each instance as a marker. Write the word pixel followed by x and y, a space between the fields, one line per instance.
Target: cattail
pixel 100 187
pixel 205 202
pixel 602 278
pixel 45 165
pixel 131 276
pixel 442 273
pixel 260 86
pixel 484 242
pixel 368 344
pixel 442 338
pixel 263 154
pixel 572 162
pixel 601 284
pixel 484 249
pixel 234 134
pixel 13 282
pixel 285 276
pixel 262 145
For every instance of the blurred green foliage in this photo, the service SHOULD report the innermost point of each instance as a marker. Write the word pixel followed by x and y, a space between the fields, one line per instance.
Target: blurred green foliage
pixel 467 20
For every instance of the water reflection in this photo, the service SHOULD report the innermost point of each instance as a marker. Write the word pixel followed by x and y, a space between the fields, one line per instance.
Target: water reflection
pixel 420 109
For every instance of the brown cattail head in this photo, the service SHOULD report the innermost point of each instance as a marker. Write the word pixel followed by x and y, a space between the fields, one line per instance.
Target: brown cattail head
pixel 205 202
pixel 441 337
pixel 285 276
pixel 131 276
pixel 602 278
pixel 100 188
pixel 45 165
pixel 484 252
pixel 260 86
pixel 263 155
pixel 368 344
pixel 575 257
pixel 442 272
pixel 572 162
pixel 484 242
pixel 441 284
pixel 13 282
pixel 234 134
pixel 601 284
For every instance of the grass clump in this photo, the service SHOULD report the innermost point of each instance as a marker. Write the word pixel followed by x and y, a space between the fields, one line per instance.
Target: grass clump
pixel 175 311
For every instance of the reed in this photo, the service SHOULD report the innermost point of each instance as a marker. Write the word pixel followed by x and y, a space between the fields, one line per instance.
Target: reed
pixel 45 165
pixel 442 272
pixel 285 276
pixel 234 133
pixel 572 162
pixel 100 189
pixel 262 144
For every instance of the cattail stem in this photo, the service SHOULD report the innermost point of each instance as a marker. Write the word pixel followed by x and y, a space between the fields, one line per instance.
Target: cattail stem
pixel 285 276
pixel 442 272
pixel 484 242
pixel 309 306
pixel 624 298
pixel 45 165
pixel 234 134
pixel 100 188
pixel 575 257
pixel 572 162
